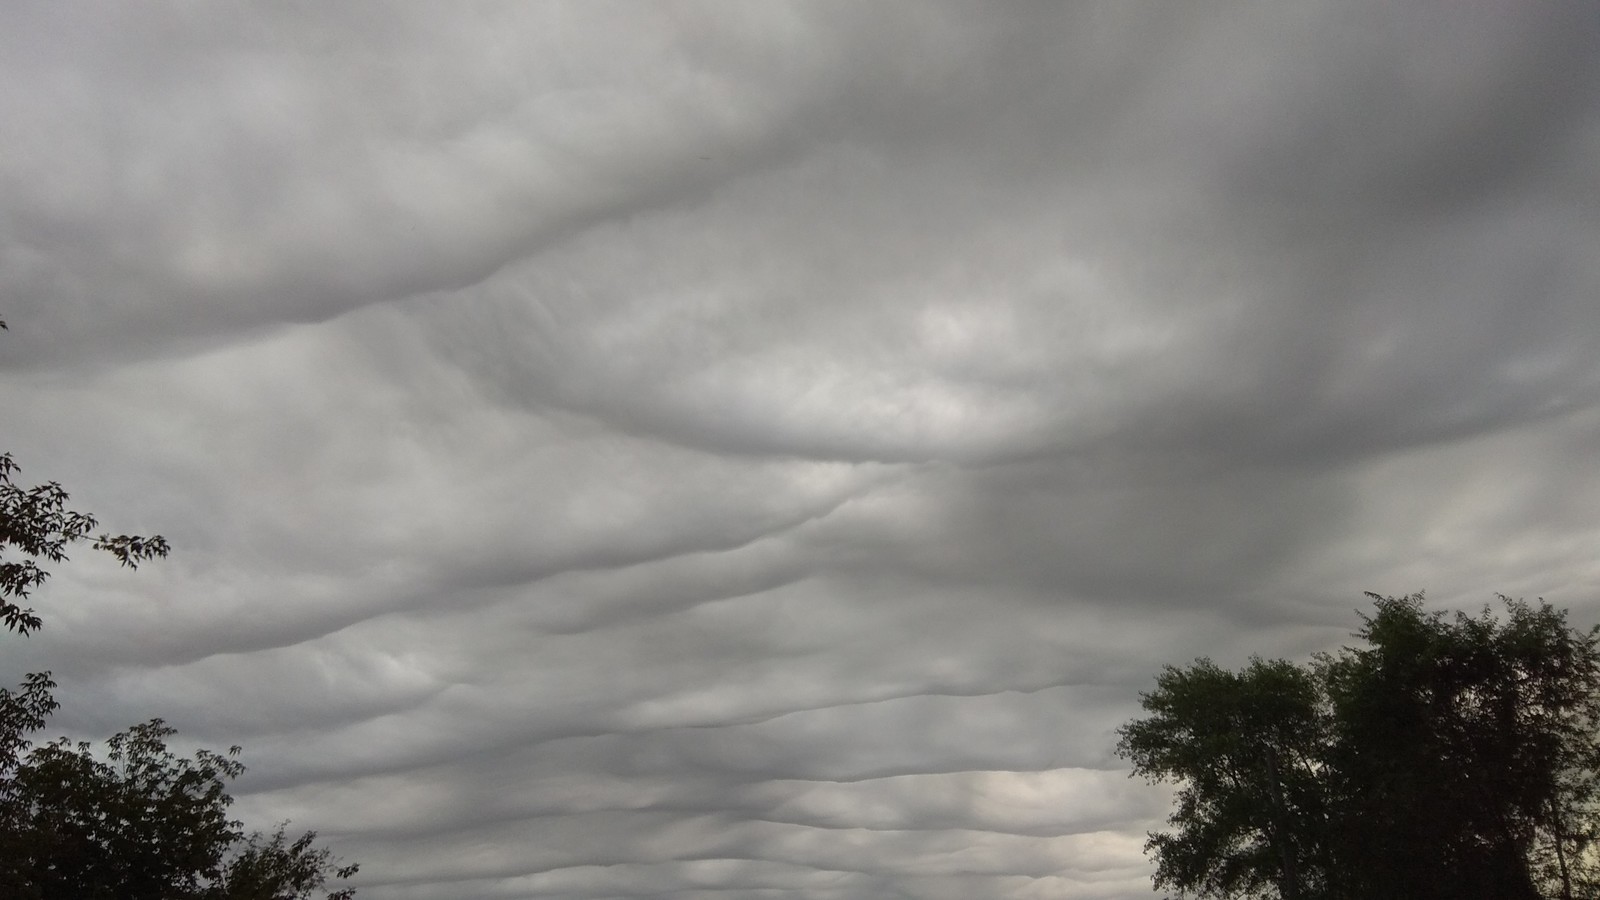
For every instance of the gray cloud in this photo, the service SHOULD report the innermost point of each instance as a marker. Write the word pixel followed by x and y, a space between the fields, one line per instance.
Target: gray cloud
pixel 715 449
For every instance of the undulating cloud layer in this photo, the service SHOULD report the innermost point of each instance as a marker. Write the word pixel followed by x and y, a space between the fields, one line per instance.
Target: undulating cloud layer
pixel 722 449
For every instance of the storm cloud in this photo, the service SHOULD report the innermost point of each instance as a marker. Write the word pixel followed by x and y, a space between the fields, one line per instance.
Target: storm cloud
pixel 720 449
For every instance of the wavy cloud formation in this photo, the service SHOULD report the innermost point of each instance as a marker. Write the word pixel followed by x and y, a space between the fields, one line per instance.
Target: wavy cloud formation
pixel 712 449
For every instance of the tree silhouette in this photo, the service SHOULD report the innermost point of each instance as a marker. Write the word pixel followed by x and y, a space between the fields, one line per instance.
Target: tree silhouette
pixel 143 824
pixel 1448 757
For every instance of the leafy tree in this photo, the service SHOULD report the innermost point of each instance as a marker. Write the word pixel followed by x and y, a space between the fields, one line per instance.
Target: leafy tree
pixel 144 824
pixel 1466 745
pixel 1447 758
pixel 271 867
pixel 1247 747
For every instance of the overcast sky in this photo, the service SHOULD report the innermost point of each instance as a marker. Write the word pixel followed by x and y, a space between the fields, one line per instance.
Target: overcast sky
pixel 761 450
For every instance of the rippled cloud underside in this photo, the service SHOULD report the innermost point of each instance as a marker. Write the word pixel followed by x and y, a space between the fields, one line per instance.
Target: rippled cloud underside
pixel 718 449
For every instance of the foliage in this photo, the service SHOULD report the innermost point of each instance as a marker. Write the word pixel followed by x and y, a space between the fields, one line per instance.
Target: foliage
pixel 21 715
pixel 143 824
pixel 37 523
pixel 1225 733
pixel 271 867
pixel 1449 757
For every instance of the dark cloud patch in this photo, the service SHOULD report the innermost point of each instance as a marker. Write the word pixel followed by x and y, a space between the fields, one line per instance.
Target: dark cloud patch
pixel 1437 110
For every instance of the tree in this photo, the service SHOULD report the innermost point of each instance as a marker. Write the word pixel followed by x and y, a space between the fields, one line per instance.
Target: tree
pixel 271 867
pixel 36 523
pixel 1247 747
pixel 1447 758
pixel 145 824
pixel 1466 745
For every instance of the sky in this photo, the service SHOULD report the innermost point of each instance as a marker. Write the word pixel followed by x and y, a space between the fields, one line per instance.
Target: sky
pixel 762 450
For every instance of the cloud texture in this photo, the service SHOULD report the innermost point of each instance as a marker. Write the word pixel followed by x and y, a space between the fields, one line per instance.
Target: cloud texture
pixel 714 449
